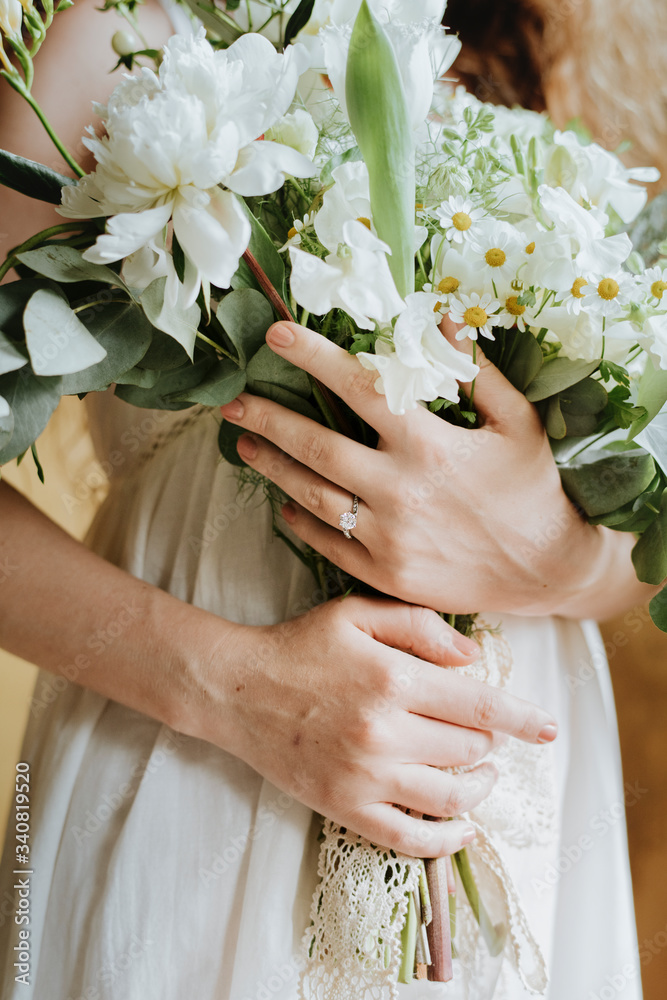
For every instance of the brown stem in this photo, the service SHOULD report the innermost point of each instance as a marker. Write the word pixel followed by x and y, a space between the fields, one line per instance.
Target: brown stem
pixel 439 931
pixel 285 313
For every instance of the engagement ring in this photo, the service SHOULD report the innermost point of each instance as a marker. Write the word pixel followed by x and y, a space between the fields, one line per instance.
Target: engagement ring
pixel 348 520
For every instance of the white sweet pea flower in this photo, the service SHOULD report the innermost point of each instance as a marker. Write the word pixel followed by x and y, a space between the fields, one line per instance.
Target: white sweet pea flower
pixel 593 175
pixel 356 278
pixel 171 140
pixel 654 338
pixel 475 313
pixel 420 364
pixel 296 129
pixel 583 338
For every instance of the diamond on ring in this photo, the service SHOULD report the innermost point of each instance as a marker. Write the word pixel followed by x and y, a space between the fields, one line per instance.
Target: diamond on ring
pixel 348 520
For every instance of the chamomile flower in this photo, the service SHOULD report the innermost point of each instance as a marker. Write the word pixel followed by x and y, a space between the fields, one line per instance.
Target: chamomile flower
pixel 294 234
pixel 610 295
pixel 475 312
pixel 513 313
pixel 653 283
pixel 499 252
pixel 573 299
pixel 459 218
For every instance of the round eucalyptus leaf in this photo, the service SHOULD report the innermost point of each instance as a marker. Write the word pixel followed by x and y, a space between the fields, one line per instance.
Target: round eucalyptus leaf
pixel 58 342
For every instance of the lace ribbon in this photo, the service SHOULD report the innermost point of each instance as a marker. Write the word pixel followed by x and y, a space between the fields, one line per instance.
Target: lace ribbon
pixel 353 946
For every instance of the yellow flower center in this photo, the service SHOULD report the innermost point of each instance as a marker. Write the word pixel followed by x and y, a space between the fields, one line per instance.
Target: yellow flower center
pixel 475 316
pixel 448 285
pixel 438 306
pixel 608 289
pixel 461 221
pixel 513 306
pixel 657 288
pixel 419 205
pixel 495 257
pixel 577 285
pixel 531 247
pixel 364 221
pixel 292 233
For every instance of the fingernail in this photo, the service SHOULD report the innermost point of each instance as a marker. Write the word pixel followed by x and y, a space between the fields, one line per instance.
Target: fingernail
pixel 469 835
pixel 280 336
pixel 289 513
pixel 246 446
pixel 465 645
pixel 548 734
pixel 233 410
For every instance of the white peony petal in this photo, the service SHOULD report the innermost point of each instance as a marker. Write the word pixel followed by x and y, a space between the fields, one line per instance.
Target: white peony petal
pixel 261 168
pixel 128 232
pixel 213 237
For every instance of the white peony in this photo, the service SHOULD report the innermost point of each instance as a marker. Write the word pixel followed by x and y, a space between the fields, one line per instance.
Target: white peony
pixel 172 140
pixel 421 365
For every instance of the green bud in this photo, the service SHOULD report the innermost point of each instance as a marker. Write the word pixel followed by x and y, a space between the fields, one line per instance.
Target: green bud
pixel 378 114
pixel 125 42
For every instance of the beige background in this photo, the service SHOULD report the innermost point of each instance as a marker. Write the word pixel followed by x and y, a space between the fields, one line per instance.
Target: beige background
pixel 637 654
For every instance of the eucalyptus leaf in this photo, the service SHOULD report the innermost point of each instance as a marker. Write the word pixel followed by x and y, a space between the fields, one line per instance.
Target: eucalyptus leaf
pixel 266 366
pixel 14 297
pixel 557 374
pixel 584 398
pixel 227 440
pixel 279 394
pixel 245 316
pixel 579 425
pixel 175 321
pixel 171 385
pixel 10 358
pixel 649 555
pixel 603 485
pixel 31 178
pixel 58 342
pixel 525 360
pixel 554 421
pixel 67 264
pixel 164 354
pixel 32 401
pixel 658 609
pixel 651 394
pixel 145 378
pixel 225 381
pixel 123 331
pixel 6 421
pixel 262 248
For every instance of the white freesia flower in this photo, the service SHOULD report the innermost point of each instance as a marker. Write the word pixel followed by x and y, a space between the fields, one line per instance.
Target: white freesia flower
pixel 11 18
pixel 421 365
pixel 356 278
pixel 172 139
pixel 296 129
pixel 591 174
pixel 475 313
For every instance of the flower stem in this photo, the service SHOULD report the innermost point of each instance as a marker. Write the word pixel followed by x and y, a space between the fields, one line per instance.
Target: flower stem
pixel 21 88
pixel 37 240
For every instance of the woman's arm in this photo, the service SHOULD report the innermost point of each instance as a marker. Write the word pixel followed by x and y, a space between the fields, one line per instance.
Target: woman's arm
pixel 454 519
pixel 324 705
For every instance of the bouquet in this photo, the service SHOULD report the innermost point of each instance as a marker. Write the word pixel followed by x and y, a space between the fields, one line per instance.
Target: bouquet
pixel 342 181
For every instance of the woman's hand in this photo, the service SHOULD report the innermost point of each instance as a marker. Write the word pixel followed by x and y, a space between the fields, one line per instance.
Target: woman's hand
pixel 451 518
pixel 326 709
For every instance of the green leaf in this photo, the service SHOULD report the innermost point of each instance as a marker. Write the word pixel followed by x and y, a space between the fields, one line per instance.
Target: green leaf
pixel 279 394
pixel 603 485
pixel 122 329
pixel 658 610
pixel 176 322
pixel 378 113
pixel 225 381
pixel 143 377
pixel 10 358
pixel 67 264
pixel 298 20
pixel 525 360
pixel 227 439
pixel 651 394
pixel 6 421
pixel 266 366
pixel 58 343
pixel 554 421
pixel 164 354
pixel 557 374
pixel 14 298
pixel 171 385
pixel 30 178
pixel 585 398
pixel 245 316
pixel 262 248
pixel 32 401
pixel 649 555
pixel 348 156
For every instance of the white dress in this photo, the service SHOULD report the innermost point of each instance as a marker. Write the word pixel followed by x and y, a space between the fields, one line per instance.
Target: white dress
pixel 166 869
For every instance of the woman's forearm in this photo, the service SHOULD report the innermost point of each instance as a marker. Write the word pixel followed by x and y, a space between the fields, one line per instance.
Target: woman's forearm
pixel 67 610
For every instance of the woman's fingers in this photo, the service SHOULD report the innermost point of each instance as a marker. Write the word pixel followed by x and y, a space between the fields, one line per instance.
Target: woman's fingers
pixel 436 793
pixel 444 744
pixel 332 455
pixel 413 629
pixel 385 825
pixel 342 373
